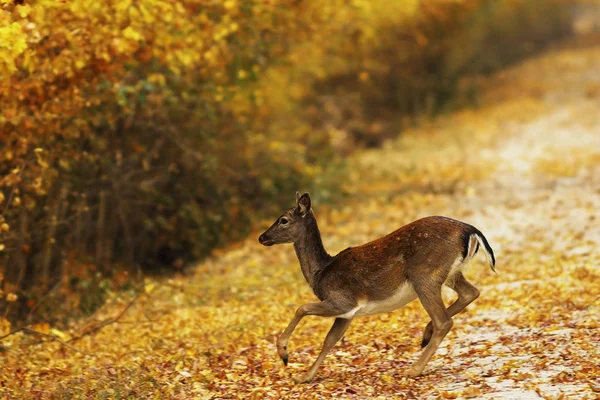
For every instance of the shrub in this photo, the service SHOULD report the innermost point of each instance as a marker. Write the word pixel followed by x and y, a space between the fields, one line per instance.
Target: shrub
pixel 143 134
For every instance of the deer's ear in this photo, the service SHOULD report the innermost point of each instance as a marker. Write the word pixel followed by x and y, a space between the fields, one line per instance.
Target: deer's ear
pixel 297 197
pixel 303 204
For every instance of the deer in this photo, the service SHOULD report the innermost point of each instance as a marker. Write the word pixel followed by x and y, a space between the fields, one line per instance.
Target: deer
pixel 383 275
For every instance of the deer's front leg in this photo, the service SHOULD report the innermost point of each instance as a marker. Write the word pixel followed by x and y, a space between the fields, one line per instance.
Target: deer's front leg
pixel 322 309
pixel 335 333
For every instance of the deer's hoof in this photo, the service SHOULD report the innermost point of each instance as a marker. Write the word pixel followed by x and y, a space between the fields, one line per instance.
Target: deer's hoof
pixel 283 354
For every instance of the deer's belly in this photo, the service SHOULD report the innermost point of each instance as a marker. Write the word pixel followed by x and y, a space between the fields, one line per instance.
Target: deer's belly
pixel 401 297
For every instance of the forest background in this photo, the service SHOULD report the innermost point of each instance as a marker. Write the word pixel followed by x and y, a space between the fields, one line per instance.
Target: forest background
pixel 138 136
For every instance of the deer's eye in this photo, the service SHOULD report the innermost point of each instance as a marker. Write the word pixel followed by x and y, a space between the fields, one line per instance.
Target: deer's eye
pixel 284 221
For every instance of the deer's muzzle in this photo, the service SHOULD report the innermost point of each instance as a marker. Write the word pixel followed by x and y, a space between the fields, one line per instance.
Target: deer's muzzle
pixel 265 240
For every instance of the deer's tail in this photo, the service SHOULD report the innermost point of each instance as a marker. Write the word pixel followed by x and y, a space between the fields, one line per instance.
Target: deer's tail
pixel 487 249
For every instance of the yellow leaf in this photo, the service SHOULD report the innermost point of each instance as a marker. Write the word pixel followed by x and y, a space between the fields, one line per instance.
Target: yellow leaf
pixel 149 287
pixel 157 79
pixel 449 394
pixel 24 10
pixel 4 326
pixel 42 328
pixel 41 162
pixel 130 33
pixel 59 333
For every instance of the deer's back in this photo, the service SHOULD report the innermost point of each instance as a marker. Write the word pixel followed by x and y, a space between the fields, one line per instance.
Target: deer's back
pixel 376 270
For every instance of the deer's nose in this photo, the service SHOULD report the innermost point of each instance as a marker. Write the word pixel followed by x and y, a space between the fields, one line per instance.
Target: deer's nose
pixel 265 240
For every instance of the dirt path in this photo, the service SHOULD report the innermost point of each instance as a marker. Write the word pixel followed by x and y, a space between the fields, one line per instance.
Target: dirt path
pixel 524 167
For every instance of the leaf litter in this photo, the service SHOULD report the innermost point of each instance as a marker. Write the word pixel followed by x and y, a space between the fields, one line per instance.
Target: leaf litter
pixel 523 167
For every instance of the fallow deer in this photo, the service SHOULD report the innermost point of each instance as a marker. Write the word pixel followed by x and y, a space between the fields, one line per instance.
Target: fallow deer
pixel 412 262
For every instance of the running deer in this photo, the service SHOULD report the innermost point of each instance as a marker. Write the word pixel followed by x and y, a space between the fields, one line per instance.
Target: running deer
pixel 380 276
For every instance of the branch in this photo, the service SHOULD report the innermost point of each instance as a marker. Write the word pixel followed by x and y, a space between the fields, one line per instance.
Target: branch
pixel 183 290
pixel 89 331
pixel 56 338
pixel 107 321
pixel 44 297
pixel 12 333
pixel 129 353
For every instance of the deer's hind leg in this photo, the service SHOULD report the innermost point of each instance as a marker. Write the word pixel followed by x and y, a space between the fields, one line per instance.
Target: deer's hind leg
pixel 430 296
pixel 467 293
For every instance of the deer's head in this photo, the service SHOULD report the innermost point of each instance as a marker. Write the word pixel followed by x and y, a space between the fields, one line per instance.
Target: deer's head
pixel 289 227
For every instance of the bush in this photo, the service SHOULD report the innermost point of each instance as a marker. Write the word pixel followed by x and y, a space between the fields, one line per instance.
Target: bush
pixel 144 134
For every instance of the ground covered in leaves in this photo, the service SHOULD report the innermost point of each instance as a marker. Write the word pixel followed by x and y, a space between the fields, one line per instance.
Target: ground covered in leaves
pixel 523 166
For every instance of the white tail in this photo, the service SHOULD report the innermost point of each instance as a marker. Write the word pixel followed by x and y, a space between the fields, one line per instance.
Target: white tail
pixel 487 250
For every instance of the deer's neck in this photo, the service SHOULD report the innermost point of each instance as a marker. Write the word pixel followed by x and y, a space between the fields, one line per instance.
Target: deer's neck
pixel 310 251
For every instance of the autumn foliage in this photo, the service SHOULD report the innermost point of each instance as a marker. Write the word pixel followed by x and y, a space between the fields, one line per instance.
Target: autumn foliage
pixel 146 133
